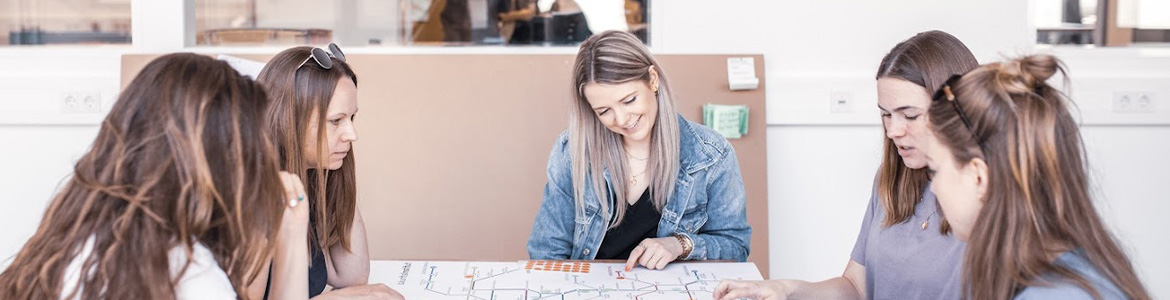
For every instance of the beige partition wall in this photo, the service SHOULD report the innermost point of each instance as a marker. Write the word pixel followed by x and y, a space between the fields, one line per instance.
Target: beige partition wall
pixel 452 149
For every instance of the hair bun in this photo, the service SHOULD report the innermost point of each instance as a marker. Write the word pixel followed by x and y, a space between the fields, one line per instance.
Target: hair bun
pixel 1026 74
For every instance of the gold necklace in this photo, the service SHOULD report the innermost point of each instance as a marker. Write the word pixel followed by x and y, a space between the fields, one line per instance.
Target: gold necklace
pixel 632 156
pixel 927 221
pixel 634 179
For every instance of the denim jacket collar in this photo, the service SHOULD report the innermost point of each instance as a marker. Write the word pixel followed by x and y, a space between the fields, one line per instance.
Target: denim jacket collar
pixel 695 150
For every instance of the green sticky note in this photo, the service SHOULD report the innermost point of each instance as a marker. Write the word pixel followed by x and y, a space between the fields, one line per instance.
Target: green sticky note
pixel 731 121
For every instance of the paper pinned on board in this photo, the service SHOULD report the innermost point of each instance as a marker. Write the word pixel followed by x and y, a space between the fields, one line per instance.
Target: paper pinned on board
pixel 731 121
pixel 741 73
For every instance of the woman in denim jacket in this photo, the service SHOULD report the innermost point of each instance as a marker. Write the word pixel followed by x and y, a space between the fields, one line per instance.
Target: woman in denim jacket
pixel 626 184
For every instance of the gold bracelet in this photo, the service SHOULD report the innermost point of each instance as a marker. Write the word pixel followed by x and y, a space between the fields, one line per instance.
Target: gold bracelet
pixel 687 245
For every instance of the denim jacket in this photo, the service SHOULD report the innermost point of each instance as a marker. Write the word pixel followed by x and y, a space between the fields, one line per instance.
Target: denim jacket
pixel 708 203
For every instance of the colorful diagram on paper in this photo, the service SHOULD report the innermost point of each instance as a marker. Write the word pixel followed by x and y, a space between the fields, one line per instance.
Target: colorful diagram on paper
pixel 561 280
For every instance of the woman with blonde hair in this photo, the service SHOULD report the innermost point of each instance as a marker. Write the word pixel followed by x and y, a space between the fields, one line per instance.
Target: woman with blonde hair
pixel 632 179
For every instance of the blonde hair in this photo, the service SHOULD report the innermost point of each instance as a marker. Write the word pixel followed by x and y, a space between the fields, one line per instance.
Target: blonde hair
pixel 615 57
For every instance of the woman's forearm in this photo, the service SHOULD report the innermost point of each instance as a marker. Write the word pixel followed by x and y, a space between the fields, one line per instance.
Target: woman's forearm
pixel 290 267
pixel 833 288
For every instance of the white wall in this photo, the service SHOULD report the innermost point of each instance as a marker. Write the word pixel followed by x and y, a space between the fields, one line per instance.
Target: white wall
pixel 36 160
pixel 820 164
pixel 40 143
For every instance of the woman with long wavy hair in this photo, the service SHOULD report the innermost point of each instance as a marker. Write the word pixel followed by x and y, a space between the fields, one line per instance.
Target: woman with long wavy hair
pixel 1010 174
pixel 179 197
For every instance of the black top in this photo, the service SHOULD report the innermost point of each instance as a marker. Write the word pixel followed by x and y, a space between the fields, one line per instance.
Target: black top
pixel 640 222
pixel 318 271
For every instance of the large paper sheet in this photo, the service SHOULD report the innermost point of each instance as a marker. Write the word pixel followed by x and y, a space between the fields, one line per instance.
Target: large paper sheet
pixel 561 280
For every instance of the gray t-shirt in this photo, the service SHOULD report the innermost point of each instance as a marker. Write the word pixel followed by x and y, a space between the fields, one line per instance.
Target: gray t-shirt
pixel 1063 288
pixel 904 261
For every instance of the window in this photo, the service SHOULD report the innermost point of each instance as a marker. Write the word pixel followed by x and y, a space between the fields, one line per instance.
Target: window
pixel 413 22
pixel 45 22
pixel 1103 22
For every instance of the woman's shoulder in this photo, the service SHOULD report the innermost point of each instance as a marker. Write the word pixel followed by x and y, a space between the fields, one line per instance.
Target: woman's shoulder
pixel 560 154
pixel 203 278
pixel 1067 290
pixel 1056 287
pixel 704 136
pixel 562 142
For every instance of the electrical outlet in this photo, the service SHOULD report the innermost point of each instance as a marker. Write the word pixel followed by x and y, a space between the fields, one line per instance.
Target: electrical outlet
pixel 91 102
pixel 70 103
pixel 84 102
pixel 1134 102
pixel 841 102
pixel 1145 103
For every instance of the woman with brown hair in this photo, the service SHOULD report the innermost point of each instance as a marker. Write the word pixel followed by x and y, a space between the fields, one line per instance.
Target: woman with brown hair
pixel 179 196
pixel 314 103
pixel 1009 172
pixel 900 252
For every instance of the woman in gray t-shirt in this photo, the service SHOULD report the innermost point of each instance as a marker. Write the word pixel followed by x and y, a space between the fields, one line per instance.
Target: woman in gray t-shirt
pixel 901 251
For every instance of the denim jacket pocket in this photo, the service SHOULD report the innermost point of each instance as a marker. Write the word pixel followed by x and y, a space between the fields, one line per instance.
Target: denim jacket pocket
pixel 584 219
pixel 695 213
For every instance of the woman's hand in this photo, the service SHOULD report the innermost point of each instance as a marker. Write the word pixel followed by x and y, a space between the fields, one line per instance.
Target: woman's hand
pixel 296 213
pixel 655 253
pixel 363 292
pixel 754 289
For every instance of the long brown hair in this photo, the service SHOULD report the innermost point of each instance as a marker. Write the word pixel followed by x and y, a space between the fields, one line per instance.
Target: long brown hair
pixel 1038 198
pixel 297 93
pixel 615 57
pixel 181 158
pixel 926 59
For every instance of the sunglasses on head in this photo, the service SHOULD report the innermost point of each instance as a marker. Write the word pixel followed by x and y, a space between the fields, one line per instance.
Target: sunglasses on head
pixel 944 93
pixel 322 57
